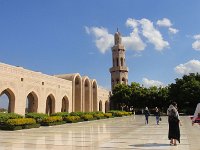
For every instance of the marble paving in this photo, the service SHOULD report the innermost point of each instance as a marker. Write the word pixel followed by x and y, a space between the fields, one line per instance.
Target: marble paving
pixel 108 134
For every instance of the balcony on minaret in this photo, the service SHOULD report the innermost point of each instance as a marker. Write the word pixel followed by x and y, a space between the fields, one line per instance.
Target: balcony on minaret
pixel 119 68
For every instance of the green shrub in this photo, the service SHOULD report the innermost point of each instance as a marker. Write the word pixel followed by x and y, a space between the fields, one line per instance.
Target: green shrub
pixel 93 113
pixel 108 115
pixel 127 113
pixel 52 119
pixel 62 114
pixel 29 126
pixel 18 124
pixel 99 115
pixel 98 112
pixel 11 128
pixel 77 113
pixel 87 117
pixel 20 121
pixel 37 116
pixel 117 113
pixel 71 119
pixel 5 116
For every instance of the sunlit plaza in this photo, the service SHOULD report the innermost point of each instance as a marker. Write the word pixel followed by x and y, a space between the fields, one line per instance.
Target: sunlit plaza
pixel 106 134
pixel 84 75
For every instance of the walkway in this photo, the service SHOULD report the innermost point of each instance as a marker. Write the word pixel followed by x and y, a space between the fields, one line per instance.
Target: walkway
pixel 108 134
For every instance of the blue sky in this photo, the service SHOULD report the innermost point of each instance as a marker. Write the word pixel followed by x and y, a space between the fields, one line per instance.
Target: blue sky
pixel 162 38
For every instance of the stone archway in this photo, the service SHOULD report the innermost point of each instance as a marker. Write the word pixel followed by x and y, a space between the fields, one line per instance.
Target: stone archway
pixel 50 104
pixel 77 100
pixel 31 103
pixel 100 105
pixel 107 106
pixel 94 95
pixel 87 95
pixel 11 99
pixel 65 104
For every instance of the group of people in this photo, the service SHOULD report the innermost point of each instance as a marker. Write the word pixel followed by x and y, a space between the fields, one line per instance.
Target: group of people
pixel 147 114
pixel 173 121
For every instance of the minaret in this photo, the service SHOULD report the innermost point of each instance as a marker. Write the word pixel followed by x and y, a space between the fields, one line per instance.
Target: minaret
pixel 119 70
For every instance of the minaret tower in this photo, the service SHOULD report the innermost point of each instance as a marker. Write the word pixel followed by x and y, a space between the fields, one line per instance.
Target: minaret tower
pixel 119 70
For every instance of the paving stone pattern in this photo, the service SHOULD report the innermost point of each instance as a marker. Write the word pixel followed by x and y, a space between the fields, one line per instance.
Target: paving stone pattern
pixel 108 134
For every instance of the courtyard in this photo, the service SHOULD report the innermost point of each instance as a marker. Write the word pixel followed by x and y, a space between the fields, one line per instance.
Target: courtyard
pixel 106 134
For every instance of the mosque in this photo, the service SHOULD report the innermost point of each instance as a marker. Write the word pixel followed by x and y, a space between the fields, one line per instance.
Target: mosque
pixel 31 91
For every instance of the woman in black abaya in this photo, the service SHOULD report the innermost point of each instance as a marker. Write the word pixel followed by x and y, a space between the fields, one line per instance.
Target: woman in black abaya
pixel 174 121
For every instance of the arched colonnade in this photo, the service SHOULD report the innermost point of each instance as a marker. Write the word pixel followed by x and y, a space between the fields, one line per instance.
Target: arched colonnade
pixel 29 91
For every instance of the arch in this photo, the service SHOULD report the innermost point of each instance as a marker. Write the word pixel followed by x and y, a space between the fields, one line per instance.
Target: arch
pixel 4 102
pixel 76 90
pixel 107 106
pixel 123 80
pixel 65 104
pixel 122 62
pixel 50 104
pixel 117 60
pixel 77 94
pixel 100 105
pixel 11 97
pixel 94 95
pixel 86 94
pixel 32 102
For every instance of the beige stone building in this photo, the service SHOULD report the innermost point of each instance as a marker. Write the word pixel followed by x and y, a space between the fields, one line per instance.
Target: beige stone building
pixel 30 91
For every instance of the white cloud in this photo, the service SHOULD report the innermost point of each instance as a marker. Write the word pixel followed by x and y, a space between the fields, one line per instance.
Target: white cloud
pixel 131 23
pixel 149 83
pixel 196 37
pixel 173 30
pixel 148 31
pixel 133 41
pixel 191 66
pixel 153 35
pixel 137 55
pixel 164 22
pixel 142 33
pixel 196 44
pixel 103 39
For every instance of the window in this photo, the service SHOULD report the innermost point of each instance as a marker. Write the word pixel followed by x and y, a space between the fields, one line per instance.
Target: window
pixel 122 62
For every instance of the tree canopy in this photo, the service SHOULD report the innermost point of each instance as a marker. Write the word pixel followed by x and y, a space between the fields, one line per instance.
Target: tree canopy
pixel 185 91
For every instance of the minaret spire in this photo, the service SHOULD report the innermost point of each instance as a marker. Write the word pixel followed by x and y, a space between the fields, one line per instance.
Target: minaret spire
pixel 118 38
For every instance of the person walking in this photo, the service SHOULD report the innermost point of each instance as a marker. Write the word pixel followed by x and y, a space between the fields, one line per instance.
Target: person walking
pixel 196 113
pixel 157 114
pixel 174 121
pixel 146 114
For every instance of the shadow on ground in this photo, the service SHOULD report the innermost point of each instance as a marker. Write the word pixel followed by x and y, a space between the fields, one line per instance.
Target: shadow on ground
pixel 150 145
